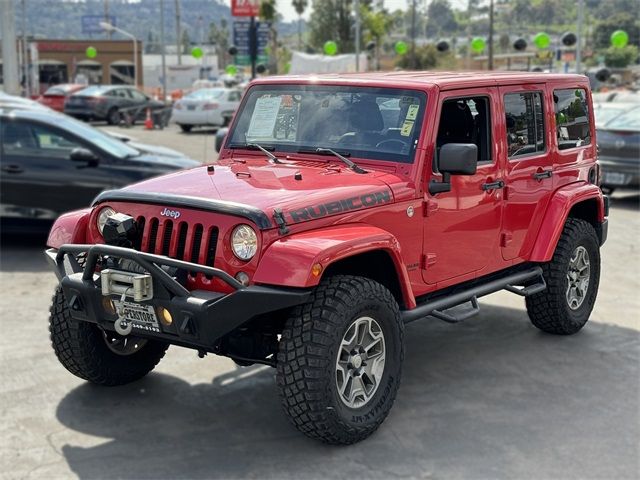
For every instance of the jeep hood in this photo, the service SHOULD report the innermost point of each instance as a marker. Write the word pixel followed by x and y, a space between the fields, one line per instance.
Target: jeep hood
pixel 301 190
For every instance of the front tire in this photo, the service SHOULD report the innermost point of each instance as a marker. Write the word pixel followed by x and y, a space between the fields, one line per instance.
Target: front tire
pixel 572 277
pixel 186 128
pixel 340 360
pixel 104 358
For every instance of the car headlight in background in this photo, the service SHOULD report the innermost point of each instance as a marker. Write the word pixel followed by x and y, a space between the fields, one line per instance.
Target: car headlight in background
pixel 101 219
pixel 244 242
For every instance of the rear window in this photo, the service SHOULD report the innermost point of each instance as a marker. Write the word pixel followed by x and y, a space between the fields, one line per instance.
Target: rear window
pixel 573 127
pixel 206 93
pixel 92 91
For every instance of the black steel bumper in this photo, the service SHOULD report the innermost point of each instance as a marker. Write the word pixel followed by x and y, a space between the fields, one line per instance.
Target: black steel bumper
pixel 200 317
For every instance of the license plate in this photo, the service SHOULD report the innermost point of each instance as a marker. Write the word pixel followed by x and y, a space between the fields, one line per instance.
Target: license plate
pixel 614 178
pixel 141 317
pixel 191 107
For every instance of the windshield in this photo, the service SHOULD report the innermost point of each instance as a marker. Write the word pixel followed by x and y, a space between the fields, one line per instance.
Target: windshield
pixel 206 93
pixel 364 122
pixel 117 148
pixel 629 121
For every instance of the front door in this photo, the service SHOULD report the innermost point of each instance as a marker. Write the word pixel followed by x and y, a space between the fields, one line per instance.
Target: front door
pixel 528 167
pixel 462 225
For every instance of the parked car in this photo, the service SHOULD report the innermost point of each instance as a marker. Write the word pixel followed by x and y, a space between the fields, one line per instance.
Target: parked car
pixel 12 101
pixel 326 226
pixel 52 163
pixel 619 145
pixel 56 95
pixel 110 103
pixel 206 107
pixel 604 112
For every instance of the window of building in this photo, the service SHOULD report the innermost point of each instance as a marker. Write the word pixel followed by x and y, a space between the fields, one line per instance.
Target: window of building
pixel 525 123
pixel 572 118
pixel 466 120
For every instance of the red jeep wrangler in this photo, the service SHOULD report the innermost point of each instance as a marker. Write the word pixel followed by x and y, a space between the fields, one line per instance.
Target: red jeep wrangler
pixel 341 208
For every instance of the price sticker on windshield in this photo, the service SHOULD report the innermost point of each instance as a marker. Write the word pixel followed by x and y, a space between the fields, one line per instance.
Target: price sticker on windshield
pixel 412 112
pixel 407 126
pixel 264 117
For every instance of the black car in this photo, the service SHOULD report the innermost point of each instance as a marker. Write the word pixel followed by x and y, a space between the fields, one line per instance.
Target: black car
pixel 52 163
pixel 619 147
pixel 110 103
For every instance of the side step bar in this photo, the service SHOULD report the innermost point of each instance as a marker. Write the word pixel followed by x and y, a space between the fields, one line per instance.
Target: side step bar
pixel 437 307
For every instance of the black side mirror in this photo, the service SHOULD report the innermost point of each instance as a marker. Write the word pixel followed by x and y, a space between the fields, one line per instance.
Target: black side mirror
pixel 221 134
pixel 84 155
pixel 454 159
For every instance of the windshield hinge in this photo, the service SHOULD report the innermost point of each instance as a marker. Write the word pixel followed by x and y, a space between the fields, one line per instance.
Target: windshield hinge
pixel 278 216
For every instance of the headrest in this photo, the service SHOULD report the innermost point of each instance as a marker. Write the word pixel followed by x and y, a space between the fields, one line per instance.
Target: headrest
pixel 365 116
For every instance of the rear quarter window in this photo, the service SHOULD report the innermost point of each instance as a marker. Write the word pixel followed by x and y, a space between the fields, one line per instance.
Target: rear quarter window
pixel 573 126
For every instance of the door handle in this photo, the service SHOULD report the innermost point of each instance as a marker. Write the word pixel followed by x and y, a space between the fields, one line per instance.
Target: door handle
pixel 493 185
pixel 12 168
pixel 539 176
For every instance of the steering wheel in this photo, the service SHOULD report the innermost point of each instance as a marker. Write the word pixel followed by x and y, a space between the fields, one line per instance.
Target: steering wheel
pixel 403 145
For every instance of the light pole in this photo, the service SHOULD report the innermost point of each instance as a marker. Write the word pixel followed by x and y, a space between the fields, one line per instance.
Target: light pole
pixel 357 8
pixel 112 28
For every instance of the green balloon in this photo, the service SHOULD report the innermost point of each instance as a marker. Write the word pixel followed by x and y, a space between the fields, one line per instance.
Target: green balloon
pixel 231 70
pixel 542 40
pixel 330 47
pixel 196 52
pixel 91 52
pixel 478 44
pixel 619 39
pixel 401 47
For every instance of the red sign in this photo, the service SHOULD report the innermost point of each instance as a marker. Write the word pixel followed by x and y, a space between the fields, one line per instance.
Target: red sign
pixel 245 8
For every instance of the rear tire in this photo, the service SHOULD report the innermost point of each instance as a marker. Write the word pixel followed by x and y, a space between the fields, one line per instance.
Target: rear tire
pixel 82 348
pixel 572 277
pixel 113 116
pixel 186 128
pixel 340 360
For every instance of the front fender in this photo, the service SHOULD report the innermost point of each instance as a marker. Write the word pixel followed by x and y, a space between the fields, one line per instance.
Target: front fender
pixel 289 261
pixel 563 200
pixel 70 227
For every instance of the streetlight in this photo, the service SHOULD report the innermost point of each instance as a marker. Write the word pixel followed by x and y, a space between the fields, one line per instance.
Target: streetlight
pixel 112 28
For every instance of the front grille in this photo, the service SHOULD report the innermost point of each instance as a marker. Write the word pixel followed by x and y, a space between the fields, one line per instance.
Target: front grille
pixel 179 240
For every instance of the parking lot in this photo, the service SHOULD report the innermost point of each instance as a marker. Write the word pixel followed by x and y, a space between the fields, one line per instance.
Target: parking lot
pixel 489 398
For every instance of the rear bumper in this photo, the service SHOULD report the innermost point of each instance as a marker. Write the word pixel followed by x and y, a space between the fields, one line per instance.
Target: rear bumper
pixel 619 172
pixel 200 317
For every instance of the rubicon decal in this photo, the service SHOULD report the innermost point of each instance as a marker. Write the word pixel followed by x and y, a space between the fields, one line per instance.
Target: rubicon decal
pixel 175 214
pixel 340 206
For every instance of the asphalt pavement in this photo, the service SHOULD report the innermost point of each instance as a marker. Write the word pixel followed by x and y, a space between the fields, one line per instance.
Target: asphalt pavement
pixel 490 398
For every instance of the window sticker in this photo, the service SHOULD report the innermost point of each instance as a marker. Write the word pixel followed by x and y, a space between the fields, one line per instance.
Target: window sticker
pixel 412 112
pixel 264 117
pixel 407 126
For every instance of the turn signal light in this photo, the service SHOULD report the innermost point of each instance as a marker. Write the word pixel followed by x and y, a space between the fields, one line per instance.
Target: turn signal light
pixel 165 316
pixel 316 270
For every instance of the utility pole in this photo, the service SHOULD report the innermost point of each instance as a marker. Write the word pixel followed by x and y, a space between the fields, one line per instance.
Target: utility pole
pixel 579 35
pixel 9 50
pixel 25 53
pixel 107 18
pixel 164 63
pixel 413 34
pixel 469 13
pixel 490 62
pixel 178 33
pixel 357 7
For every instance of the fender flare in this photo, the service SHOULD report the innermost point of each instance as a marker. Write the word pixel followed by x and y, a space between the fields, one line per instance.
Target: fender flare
pixel 563 200
pixel 289 260
pixel 70 227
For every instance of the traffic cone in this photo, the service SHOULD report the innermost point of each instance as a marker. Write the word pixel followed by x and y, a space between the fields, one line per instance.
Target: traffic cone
pixel 148 123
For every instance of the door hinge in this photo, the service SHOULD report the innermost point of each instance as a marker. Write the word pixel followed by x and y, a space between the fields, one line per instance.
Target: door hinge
pixel 429 207
pixel 427 260
pixel 506 238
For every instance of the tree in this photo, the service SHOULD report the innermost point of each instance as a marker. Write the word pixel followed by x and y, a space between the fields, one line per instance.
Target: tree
pixel 620 57
pixel 332 20
pixel 186 42
pixel 620 21
pixel 219 36
pixel 427 57
pixel 269 13
pixel 440 19
pixel 300 6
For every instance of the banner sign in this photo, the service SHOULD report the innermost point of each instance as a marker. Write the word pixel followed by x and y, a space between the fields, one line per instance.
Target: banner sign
pixel 245 8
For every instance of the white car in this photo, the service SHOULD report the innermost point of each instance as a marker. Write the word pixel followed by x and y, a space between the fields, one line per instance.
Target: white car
pixel 206 107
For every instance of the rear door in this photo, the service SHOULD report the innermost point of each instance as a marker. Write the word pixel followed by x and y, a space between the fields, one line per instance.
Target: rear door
pixel 528 165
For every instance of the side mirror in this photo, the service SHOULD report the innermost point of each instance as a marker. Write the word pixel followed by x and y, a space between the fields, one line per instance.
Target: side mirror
pixel 454 159
pixel 84 155
pixel 221 134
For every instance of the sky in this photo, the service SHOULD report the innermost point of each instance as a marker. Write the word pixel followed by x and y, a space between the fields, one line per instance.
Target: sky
pixel 287 11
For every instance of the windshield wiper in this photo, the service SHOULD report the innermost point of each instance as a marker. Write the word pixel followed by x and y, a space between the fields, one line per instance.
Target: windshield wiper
pixel 255 146
pixel 351 164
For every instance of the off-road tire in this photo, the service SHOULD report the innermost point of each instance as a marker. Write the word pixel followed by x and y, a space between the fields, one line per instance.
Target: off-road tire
pixel 113 116
pixel 549 310
pixel 186 128
pixel 81 349
pixel 307 355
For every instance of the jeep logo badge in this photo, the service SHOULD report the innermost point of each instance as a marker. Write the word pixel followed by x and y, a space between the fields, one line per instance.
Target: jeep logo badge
pixel 175 214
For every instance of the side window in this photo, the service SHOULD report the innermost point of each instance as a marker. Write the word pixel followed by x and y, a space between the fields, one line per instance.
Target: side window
pixel 51 143
pixel 17 138
pixel 572 118
pixel 525 124
pixel 138 96
pixel 466 120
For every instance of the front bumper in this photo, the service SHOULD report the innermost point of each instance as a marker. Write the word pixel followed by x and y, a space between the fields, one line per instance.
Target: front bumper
pixel 200 317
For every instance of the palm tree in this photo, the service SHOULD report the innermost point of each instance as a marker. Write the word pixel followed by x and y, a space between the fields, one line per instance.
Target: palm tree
pixel 300 6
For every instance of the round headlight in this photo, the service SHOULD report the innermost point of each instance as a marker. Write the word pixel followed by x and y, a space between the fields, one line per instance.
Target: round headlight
pixel 244 242
pixel 101 219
